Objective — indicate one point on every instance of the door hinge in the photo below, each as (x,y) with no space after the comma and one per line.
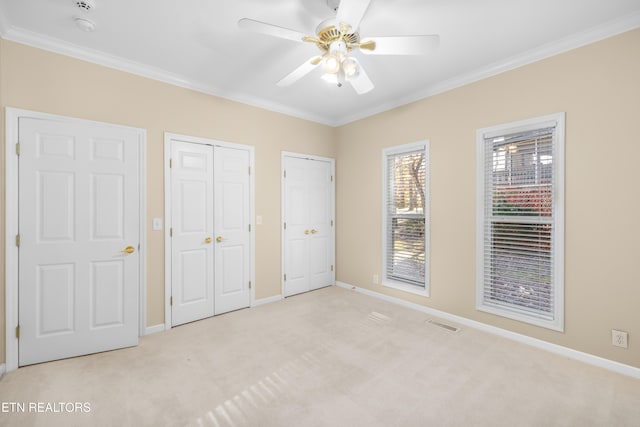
(332,268)
(249,228)
(171,232)
(249,170)
(18,331)
(17,240)
(285,225)
(285,174)
(249,284)
(18,149)
(332,223)
(171,300)
(170,163)
(285,277)
(331,178)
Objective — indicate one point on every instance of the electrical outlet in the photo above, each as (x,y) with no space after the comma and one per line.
(619,338)
(376,280)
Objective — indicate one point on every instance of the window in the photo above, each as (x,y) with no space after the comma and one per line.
(405,217)
(520,221)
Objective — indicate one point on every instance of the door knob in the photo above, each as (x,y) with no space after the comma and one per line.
(208,240)
(314,231)
(219,239)
(128,250)
(306,231)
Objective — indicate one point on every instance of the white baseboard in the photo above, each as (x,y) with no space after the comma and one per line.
(591,359)
(268,300)
(154,329)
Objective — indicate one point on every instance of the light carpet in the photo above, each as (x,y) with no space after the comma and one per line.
(331,357)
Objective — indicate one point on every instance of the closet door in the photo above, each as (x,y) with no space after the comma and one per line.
(210,238)
(308,242)
(233,227)
(192,279)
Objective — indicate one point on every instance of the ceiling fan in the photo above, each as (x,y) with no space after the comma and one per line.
(337,38)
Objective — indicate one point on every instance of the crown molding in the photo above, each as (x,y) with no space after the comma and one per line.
(3,26)
(37,40)
(592,35)
(600,32)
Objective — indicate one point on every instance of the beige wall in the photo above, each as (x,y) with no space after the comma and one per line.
(37,80)
(598,86)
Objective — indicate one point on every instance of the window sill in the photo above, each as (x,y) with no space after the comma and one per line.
(524,317)
(405,287)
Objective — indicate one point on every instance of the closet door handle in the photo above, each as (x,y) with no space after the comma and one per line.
(219,239)
(306,231)
(208,240)
(314,231)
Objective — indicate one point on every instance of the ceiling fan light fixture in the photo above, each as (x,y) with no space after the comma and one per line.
(331,63)
(350,68)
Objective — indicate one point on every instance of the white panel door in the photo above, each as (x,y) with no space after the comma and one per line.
(192,232)
(79,224)
(320,214)
(297,226)
(232,222)
(308,236)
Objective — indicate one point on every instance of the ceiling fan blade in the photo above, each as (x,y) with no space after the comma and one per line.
(362,83)
(269,29)
(400,45)
(351,12)
(300,72)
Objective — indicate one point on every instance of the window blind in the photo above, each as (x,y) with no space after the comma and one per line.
(405,217)
(519,221)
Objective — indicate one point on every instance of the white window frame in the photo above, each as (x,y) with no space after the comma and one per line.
(390,282)
(556,320)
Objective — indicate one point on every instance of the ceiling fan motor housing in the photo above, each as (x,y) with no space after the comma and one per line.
(328,32)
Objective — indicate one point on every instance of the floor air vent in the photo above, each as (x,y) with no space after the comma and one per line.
(378,317)
(443,325)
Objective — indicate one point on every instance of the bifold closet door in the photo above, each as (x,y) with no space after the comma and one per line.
(210,235)
(232,226)
(308,218)
(192,278)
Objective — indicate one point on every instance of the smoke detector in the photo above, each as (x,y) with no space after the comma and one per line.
(86,5)
(86,25)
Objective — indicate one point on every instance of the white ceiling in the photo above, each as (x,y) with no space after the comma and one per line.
(197,44)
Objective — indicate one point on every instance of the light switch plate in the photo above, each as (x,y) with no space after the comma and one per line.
(157,224)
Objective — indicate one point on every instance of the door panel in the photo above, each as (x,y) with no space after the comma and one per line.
(192,225)
(55,299)
(232,269)
(107,293)
(56,216)
(79,208)
(107,220)
(232,220)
